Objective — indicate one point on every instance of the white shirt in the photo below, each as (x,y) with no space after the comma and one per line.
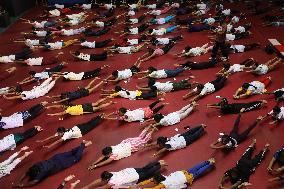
(207,89)
(124,74)
(39,24)
(12,121)
(108,6)
(86,6)
(83,56)
(74,132)
(160,31)
(163,41)
(54,13)
(41,75)
(176,142)
(176,180)
(238,48)
(155,12)
(279,116)
(132,94)
(258,87)
(160,20)
(100,24)
(133,31)
(164,87)
(56,45)
(34,61)
(40,33)
(4,90)
(131,13)
(235,68)
(229,28)
(226,12)
(122,150)
(8,165)
(74,76)
(125,50)
(235,19)
(133,6)
(197,51)
(133,41)
(262,69)
(133,20)
(134,115)
(7,59)
(152,6)
(201,6)
(7,143)
(209,21)
(31,42)
(240,29)
(89,44)
(158,74)
(59,6)
(230,37)
(124,178)
(170,119)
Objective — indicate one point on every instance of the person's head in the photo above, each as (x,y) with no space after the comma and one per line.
(153,40)
(143,37)
(106,176)
(245,86)
(122,111)
(151,82)
(226,66)
(278,94)
(151,69)
(158,117)
(158,178)
(115,73)
(118,88)
(60,130)
(33,172)
(199,87)
(82,40)
(125,39)
(223,102)
(76,53)
(276,109)
(126,29)
(18,89)
(150,30)
(32,73)
(187,48)
(234,175)
(161,141)
(225,139)
(107,151)
(134,69)
(281,156)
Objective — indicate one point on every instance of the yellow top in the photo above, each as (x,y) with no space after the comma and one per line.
(139,93)
(69,42)
(75,110)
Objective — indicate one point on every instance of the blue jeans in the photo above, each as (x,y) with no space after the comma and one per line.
(175,72)
(169,18)
(171,29)
(199,169)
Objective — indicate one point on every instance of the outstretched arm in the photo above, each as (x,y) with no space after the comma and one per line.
(95,183)
(271,163)
(215,146)
(160,152)
(55,143)
(48,138)
(105,162)
(58,114)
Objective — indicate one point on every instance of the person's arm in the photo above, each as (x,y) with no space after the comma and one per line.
(191,93)
(160,152)
(54,143)
(222,180)
(105,162)
(248,93)
(97,161)
(12,97)
(95,183)
(58,114)
(150,145)
(215,146)
(196,98)
(281,177)
(145,182)
(145,76)
(280,169)
(238,92)
(271,163)
(274,122)
(148,58)
(48,138)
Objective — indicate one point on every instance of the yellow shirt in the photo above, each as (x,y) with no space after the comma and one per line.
(69,42)
(75,110)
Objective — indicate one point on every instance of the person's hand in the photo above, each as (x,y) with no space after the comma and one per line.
(279,170)
(68,178)
(38,128)
(242,110)
(259,118)
(24,148)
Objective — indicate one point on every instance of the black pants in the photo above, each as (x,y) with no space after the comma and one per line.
(141,18)
(200,65)
(101,44)
(34,112)
(247,106)
(57,68)
(99,57)
(75,94)
(87,127)
(147,96)
(25,54)
(241,35)
(168,47)
(96,33)
(175,39)
(222,47)
(240,137)
(219,82)
(156,110)
(247,157)
(110,22)
(142,28)
(148,171)
(25,135)
(92,74)
(193,134)
(251,46)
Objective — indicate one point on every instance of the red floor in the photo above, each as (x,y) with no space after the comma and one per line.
(111,132)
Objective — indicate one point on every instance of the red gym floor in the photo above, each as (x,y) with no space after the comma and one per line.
(112,132)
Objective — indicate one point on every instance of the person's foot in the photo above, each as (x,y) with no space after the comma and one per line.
(203,125)
(44,103)
(242,110)
(266,146)
(28,153)
(161,99)
(253,143)
(87,143)
(163,163)
(38,128)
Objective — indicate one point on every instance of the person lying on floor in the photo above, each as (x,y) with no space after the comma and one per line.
(239,29)
(91,57)
(39,33)
(59,44)
(62,135)
(134,6)
(79,93)
(202,90)
(36,92)
(93,33)
(119,75)
(130,20)
(70,32)
(278,94)
(262,69)
(278,158)
(18,119)
(78,76)
(179,141)
(164,73)
(41,61)
(7,73)
(196,51)
(43,169)
(125,42)
(139,114)
(242,48)
(252,88)
(245,167)
(159,12)
(235,108)
(10,164)
(275,23)
(131,95)
(161,21)
(164,41)
(229,69)
(106,14)
(127,177)
(31,43)
(167,86)
(158,5)
(172,118)
(198,65)
(40,25)
(107,23)
(11,141)
(152,53)
(24,54)
(134,30)
(124,149)
(95,44)
(10,90)
(47,73)
(179,179)
(277,114)
(74,19)
(81,109)
(127,50)
(232,140)
(162,31)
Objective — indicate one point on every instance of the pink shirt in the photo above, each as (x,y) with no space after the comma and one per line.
(148,113)
(159,52)
(165,10)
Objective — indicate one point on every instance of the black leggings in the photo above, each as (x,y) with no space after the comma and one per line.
(168,47)
(193,134)
(25,135)
(175,39)
(34,112)
(148,171)
(156,110)
(111,22)
(200,65)
(142,28)
(247,157)
(101,44)
(87,127)
(91,74)
(96,33)
(57,68)
(222,47)
(147,96)
(98,57)
(141,18)
(251,46)
(242,136)
(23,55)
(236,107)
(241,35)
(75,94)
(219,82)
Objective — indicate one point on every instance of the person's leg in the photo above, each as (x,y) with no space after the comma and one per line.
(95,87)
(171,29)
(148,171)
(168,47)
(224,50)
(177,38)
(92,74)
(174,73)
(248,153)
(235,129)
(215,50)
(21,137)
(87,127)
(151,106)
(102,106)
(101,44)
(33,112)
(245,133)
(266,81)
(253,105)
(193,134)
(23,55)
(156,110)
(199,169)
(276,63)
(185,113)
(57,68)
(259,157)
(251,46)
